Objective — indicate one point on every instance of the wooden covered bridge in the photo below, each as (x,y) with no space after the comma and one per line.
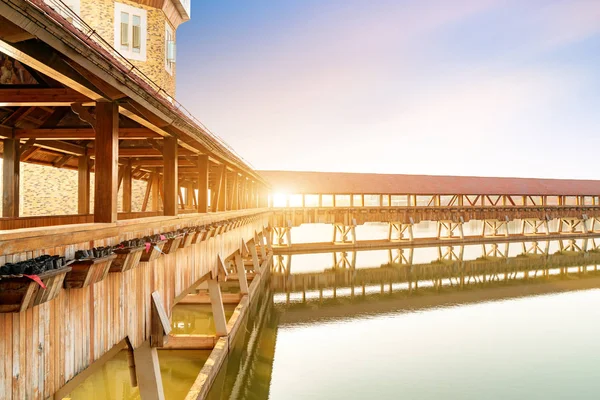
(349,199)
(69,101)
(79,285)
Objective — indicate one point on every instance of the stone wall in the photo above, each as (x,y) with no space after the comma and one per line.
(53,191)
(100,15)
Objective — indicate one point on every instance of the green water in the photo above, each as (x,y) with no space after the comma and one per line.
(542,347)
(178,369)
(504,333)
(532,336)
(195,319)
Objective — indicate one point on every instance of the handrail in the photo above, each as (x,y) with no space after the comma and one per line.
(64,12)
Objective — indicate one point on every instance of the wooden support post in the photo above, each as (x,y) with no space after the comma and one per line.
(223,203)
(106,162)
(170,178)
(10,178)
(127,186)
(216,302)
(147,370)
(254,253)
(154,183)
(235,194)
(241,272)
(83,185)
(203,183)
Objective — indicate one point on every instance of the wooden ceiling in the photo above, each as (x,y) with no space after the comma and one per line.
(52,120)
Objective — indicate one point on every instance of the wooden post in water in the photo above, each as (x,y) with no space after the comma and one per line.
(253,252)
(148,372)
(241,272)
(216,302)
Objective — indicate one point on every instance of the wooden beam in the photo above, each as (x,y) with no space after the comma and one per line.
(127,187)
(40,97)
(27,154)
(83,185)
(6,132)
(155,190)
(106,156)
(62,160)
(10,178)
(147,369)
(223,190)
(203,170)
(170,179)
(216,189)
(216,302)
(80,133)
(147,193)
(62,147)
(234,204)
(158,162)
(44,68)
(148,152)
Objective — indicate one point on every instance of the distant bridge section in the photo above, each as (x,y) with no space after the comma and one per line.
(349,199)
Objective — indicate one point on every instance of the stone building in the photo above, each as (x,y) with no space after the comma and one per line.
(143,32)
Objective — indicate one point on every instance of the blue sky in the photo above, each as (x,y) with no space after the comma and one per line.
(485,87)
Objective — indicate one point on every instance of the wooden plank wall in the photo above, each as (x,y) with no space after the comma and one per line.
(43,348)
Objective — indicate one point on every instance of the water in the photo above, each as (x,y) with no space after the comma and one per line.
(522,327)
(507,333)
(178,369)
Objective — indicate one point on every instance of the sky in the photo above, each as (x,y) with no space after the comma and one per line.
(462,87)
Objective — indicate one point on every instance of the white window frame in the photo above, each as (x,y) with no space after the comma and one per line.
(143,14)
(169,65)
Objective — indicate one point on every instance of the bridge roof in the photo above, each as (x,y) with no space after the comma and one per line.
(294,182)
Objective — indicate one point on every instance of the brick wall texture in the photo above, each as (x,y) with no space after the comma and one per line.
(53,191)
(100,15)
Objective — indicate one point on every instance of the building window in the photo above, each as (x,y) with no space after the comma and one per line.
(169,49)
(130,31)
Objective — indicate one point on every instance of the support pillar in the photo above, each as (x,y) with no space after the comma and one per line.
(127,187)
(216,302)
(282,235)
(398,230)
(203,169)
(254,253)
(400,256)
(532,226)
(170,178)
(83,185)
(241,273)
(147,370)
(11,172)
(344,231)
(446,229)
(494,227)
(155,196)
(106,162)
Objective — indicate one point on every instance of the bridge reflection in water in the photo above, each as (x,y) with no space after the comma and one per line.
(317,294)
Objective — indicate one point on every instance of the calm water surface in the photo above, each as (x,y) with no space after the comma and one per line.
(535,337)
